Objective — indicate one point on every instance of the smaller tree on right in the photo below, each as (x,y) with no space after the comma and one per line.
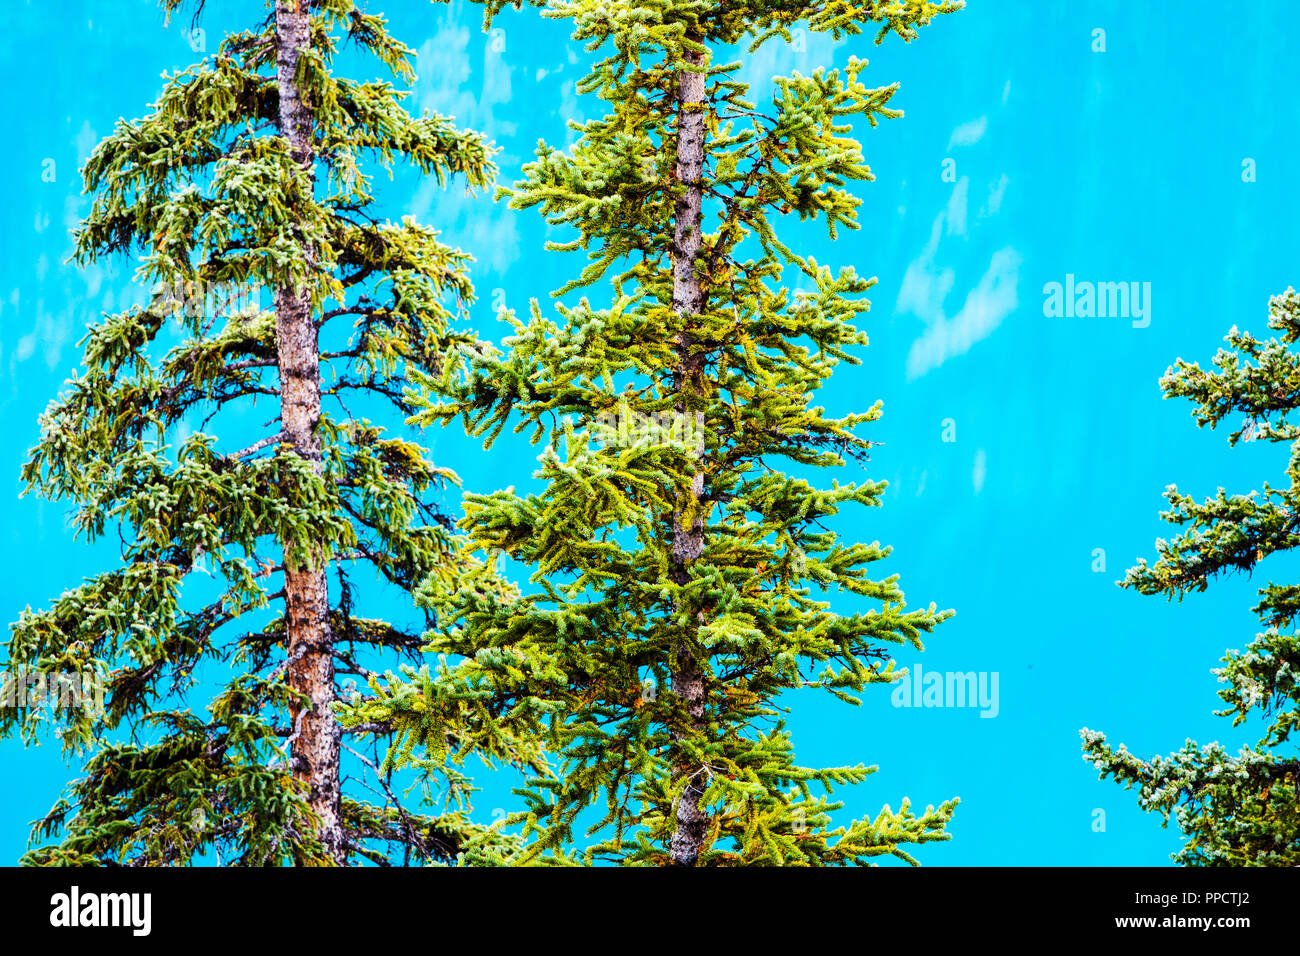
(1238,809)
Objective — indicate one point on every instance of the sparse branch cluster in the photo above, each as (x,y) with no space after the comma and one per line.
(1238,809)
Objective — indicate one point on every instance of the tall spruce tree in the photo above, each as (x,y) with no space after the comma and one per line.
(1238,809)
(669,551)
(247,175)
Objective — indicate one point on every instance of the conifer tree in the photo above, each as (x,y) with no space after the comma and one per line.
(678,574)
(1238,809)
(241,553)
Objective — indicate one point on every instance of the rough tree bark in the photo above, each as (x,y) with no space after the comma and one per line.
(315,734)
(688,380)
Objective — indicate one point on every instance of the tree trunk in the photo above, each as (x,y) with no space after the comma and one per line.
(688,380)
(315,734)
